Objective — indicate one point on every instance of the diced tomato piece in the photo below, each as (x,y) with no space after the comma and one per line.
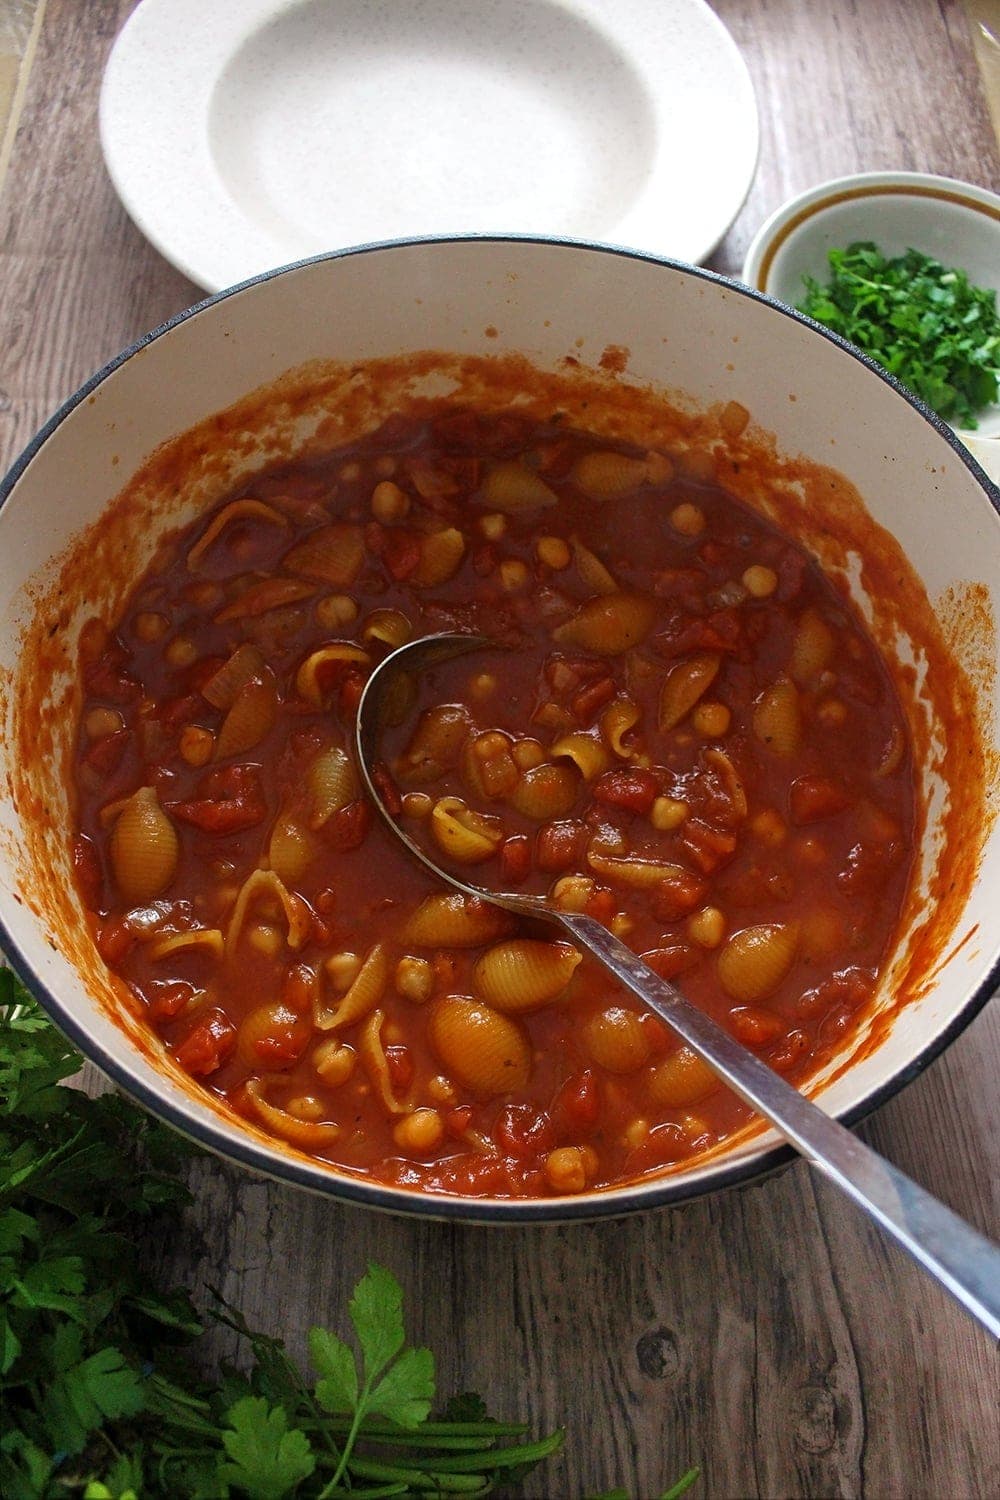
(577,1103)
(515,859)
(87,867)
(601,905)
(207,1045)
(591,698)
(350,692)
(634,788)
(114,940)
(284,1045)
(233,799)
(349,827)
(401,551)
(672,899)
(457,1121)
(298,988)
(399,1061)
(181,710)
(865,870)
(387,789)
(559,845)
(709,847)
(720,631)
(108,679)
(811,798)
(523,1131)
(167,1000)
(753,1026)
(105,754)
(672,959)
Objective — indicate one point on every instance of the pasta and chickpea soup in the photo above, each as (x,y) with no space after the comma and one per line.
(689,735)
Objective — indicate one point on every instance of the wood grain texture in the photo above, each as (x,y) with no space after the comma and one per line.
(768,1333)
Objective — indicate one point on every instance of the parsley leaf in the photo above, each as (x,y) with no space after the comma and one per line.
(927,324)
(268,1461)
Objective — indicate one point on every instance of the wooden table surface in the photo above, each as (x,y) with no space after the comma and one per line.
(769,1333)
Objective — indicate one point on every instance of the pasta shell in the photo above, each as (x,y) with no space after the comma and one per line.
(199,939)
(308,1135)
(450,920)
(237,510)
(222,687)
(681,1079)
(388,626)
(524,974)
(755,960)
(727,774)
(361,996)
(605,475)
(617,1040)
(486,1052)
(545,792)
(513,487)
(608,626)
(144,847)
(630,870)
(586,752)
(436,745)
(251,718)
(327,661)
(684,685)
(593,574)
(265,885)
(332,553)
(777,718)
(812,647)
(617,720)
(441,554)
(376,1065)
(332,782)
(291,849)
(463,834)
(267,594)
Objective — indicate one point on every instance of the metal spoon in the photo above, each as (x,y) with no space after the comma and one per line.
(960,1258)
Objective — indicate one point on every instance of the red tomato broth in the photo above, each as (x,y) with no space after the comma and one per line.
(359,885)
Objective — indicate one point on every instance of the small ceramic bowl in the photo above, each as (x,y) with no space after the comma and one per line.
(956,222)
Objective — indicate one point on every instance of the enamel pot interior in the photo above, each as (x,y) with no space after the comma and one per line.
(684,331)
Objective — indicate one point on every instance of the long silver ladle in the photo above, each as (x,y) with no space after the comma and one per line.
(956,1255)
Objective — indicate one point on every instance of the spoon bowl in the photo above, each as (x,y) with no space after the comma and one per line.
(961,1259)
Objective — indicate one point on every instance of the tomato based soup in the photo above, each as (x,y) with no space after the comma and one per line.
(684,731)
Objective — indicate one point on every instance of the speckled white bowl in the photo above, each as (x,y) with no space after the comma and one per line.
(685,330)
(954,221)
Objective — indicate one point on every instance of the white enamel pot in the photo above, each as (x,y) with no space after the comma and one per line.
(628,320)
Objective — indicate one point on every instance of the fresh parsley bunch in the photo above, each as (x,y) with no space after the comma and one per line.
(925,323)
(99,1395)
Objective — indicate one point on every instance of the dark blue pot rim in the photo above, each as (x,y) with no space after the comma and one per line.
(646,1194)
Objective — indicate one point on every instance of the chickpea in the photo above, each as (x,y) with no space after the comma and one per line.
(636,1132)
(769,826)
(553,552)
(759,581)
(419,1133)
(565,1170)
(621,924)
(832,712)
(417,805)
(266,939)
(572,892)
(415,979)
(442,1090)
(350,471)
(384,465)
(389,502)
(688,519)
(181,652)
(667,813)
(334,1061)
(493,526)
(707,927)
(483,685)
(100,722)
(150,625)
(335,610)
(306,1107)
(528,754)
(342,969)
(196,745)
(711,719)
(514,576)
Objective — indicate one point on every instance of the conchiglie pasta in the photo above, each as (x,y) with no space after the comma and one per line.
(546,792)
(813,646)
(334,554)
(436,745)
(756,959)
(585,750)
(261,597)
(144,847)
(291,849)
(593,574)
(263,887)
(608,626)
(450,920)
(483,1050)
(523,974)
(684,685)
(681,1079)
(606,475)
(777,718)
(251,718)
(618,720)
(389,626)
(332,783)
(361,996)
(616,1039)
(639,874)
(462,833)
(207,940)
(513,488)
(308,1135)
(222,687)
(371,1051)
(332,658)
(236,510)
(441,556)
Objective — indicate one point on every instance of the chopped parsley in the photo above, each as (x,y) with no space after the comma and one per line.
(925,323)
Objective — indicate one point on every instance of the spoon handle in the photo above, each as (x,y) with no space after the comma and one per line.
(962,1260)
